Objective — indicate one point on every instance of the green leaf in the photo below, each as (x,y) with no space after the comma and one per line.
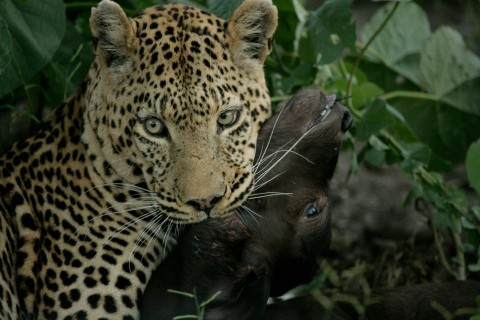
(416,154)
(441,220)
(187,316)
(68,67)
(420,153)
(300,76)
(375,157)
(445,62)
(377,144)
(409,67)
(330,29)
(405,33)
(182,293)
(21,111)
(473,165)
(362,93)
(222,8)
(467,224)
(375,118)
(448,131)
(5,46)
(211,299)
(37,29)
(476,212)
(466,97)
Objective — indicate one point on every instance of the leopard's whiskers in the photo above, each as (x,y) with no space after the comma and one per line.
(120,229)
(262,155)
(288,151)
(262,195)
(252,213)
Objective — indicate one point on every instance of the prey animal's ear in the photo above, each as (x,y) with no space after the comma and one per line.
(114,37)
(251,30)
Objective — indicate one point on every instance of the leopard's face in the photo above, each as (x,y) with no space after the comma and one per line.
(180,96)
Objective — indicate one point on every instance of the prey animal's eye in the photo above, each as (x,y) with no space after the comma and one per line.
(155,127)
(228,118)
(312,210)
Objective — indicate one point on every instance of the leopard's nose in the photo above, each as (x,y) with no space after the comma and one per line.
(204,204)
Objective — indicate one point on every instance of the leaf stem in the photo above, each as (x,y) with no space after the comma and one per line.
(369,42)
(427,177)
(461,270)
(408,94)
(441,253)
(279,98)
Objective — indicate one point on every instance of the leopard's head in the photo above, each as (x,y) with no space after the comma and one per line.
(176,97)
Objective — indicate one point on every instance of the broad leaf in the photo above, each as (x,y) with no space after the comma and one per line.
(409,67)
(375,118)
(445,62)
(362,93)
(405,33)
(466,97)
(68,67)
(5,45)
(300,76)
(330,30)
(375,157)
(37,29)
(222,8)
(473,165)
(448,131)
(416,154)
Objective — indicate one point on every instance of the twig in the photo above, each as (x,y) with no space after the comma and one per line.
(461,269)
(441,253)
(369,42)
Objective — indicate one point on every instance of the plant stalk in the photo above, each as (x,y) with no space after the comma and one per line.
(369,42)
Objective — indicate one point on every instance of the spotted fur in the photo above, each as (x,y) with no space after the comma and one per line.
(88,204)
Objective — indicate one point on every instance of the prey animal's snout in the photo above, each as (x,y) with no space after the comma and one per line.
(347,119)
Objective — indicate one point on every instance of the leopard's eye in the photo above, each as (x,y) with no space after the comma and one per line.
(228,118)
(155,127)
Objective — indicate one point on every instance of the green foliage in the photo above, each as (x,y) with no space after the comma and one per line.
(473,165)
(32,38)
(329,31)
(415,97)
(199,306)
(222,8)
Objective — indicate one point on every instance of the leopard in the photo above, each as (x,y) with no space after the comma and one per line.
(161,134)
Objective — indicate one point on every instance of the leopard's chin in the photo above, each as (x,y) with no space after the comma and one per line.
(186,218)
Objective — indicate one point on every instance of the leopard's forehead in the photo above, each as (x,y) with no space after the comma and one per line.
(184,59)
(180,19)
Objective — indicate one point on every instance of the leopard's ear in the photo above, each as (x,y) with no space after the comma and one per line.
(114,37)
(250,31)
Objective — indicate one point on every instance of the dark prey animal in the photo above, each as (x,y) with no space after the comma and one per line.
(272,243)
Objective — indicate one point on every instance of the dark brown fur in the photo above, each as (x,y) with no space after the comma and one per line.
(247,257)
